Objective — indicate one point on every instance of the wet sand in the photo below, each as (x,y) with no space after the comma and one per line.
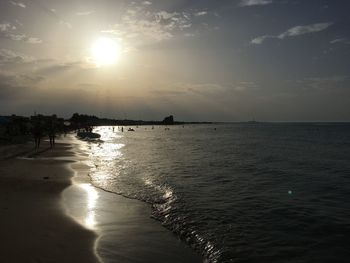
(34,225)
(47,217)
(126,232)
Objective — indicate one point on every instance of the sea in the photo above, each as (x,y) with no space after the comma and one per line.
(240,192)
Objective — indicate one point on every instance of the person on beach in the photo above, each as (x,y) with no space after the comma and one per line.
(52,130)
(37,131)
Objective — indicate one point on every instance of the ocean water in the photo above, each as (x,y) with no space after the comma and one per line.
(255,192)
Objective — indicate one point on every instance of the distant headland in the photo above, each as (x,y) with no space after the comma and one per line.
(96,121)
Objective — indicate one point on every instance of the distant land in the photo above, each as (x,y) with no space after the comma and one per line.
(96,121)
(16,129)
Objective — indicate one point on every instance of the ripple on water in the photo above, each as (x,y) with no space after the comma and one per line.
(242,193)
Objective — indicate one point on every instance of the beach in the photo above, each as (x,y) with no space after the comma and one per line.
(34,226)
(49,217)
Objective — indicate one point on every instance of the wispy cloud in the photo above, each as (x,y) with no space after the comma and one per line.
(294,31)
(301,30)
(51,12)
(140,24)
(323,83)
(6,27)
(66,24)
(24,38)
(201,13)
(259,40)
(34,40)
(254,2)
(7,30)
(84,13)
(343,40)
(245,86)
(19,4)
(11,57)
(15,86)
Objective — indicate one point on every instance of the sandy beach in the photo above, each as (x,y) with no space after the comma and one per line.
(49,217)
(34,225)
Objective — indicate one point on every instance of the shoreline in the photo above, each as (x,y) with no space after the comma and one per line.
(124,227)
(37,228)
(54,214)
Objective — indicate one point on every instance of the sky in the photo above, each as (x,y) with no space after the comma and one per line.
(227,60)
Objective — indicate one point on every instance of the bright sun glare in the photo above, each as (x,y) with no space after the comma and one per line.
(105,51)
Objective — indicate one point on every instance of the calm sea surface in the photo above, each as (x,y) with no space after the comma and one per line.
(240,193)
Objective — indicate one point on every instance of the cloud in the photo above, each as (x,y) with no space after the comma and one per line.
(34,40)
(203,89)
(5,27)
(294,31)
(51,13)
(343,40)
(140,25)
(52,66)
(301,30)
(165,15)
(66,24)
(13,86)
(254,2)
(323,83)
(85,13)
(146,3)
(20,4)
(10,57)
(245,86)
(201,13)
(259,40)
(7,30)
(24,38)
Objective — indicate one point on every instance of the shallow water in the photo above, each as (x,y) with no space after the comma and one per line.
(240,192)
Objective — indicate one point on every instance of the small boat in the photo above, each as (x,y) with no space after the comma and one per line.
(88,135)
(131,129)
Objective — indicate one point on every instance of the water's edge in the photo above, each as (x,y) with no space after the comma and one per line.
(81,170)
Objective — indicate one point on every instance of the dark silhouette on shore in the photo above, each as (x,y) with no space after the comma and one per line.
(19,129)
(82,120)
(44,126)
(168,120)
(37,130)
(52,131)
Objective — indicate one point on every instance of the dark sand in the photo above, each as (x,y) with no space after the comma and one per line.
(34,227)
(37,193)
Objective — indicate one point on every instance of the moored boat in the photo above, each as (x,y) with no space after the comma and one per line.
(88,135)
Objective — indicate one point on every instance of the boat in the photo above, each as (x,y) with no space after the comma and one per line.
(88,135)
(131,129)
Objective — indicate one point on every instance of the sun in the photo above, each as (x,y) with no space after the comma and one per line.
(105,51)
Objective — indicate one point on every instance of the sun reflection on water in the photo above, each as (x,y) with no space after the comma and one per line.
(104,156)
(92,196)
(165,190)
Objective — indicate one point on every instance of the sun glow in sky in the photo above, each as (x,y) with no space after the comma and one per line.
(228,60)
(105,51)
